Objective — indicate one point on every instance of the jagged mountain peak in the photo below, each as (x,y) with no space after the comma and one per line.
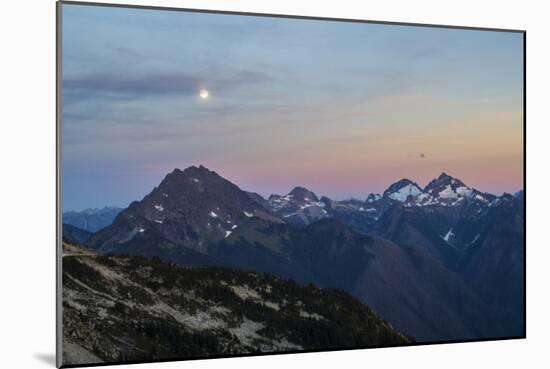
(444,190)
(302,193)
(200,171)
(402,189)
(300,206)
(448,190)
(445,176)
(400,183)
(195,179)
(191,208)
(448,178)
(440,183)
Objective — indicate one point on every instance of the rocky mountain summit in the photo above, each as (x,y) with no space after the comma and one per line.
(299,207)
(189,208)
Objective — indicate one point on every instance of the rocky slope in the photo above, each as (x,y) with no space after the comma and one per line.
(75,234)
(405,284)
(134,308)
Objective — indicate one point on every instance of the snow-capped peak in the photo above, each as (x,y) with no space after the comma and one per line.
(299,197)
(303,194)
(404,192)
(299,206)
(454,193)
(451,191)
(444,182)
(401,190)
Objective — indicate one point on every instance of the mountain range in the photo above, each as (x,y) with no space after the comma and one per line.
(91,220)
(439,263)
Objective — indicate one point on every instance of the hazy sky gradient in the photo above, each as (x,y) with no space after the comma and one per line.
(344,109)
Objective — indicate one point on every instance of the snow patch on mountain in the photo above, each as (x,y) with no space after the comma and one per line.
(448,235)
(464,191)
(481,198)
(312,203)
(448,193)
(403,193)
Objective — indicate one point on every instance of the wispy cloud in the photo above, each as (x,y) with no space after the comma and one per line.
(132,85)
(290,101)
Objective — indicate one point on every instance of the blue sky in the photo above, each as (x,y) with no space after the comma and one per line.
(342,108)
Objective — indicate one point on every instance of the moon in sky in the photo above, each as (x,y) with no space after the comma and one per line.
(203,93)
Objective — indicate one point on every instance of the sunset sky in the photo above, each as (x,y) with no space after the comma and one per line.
(344,109)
